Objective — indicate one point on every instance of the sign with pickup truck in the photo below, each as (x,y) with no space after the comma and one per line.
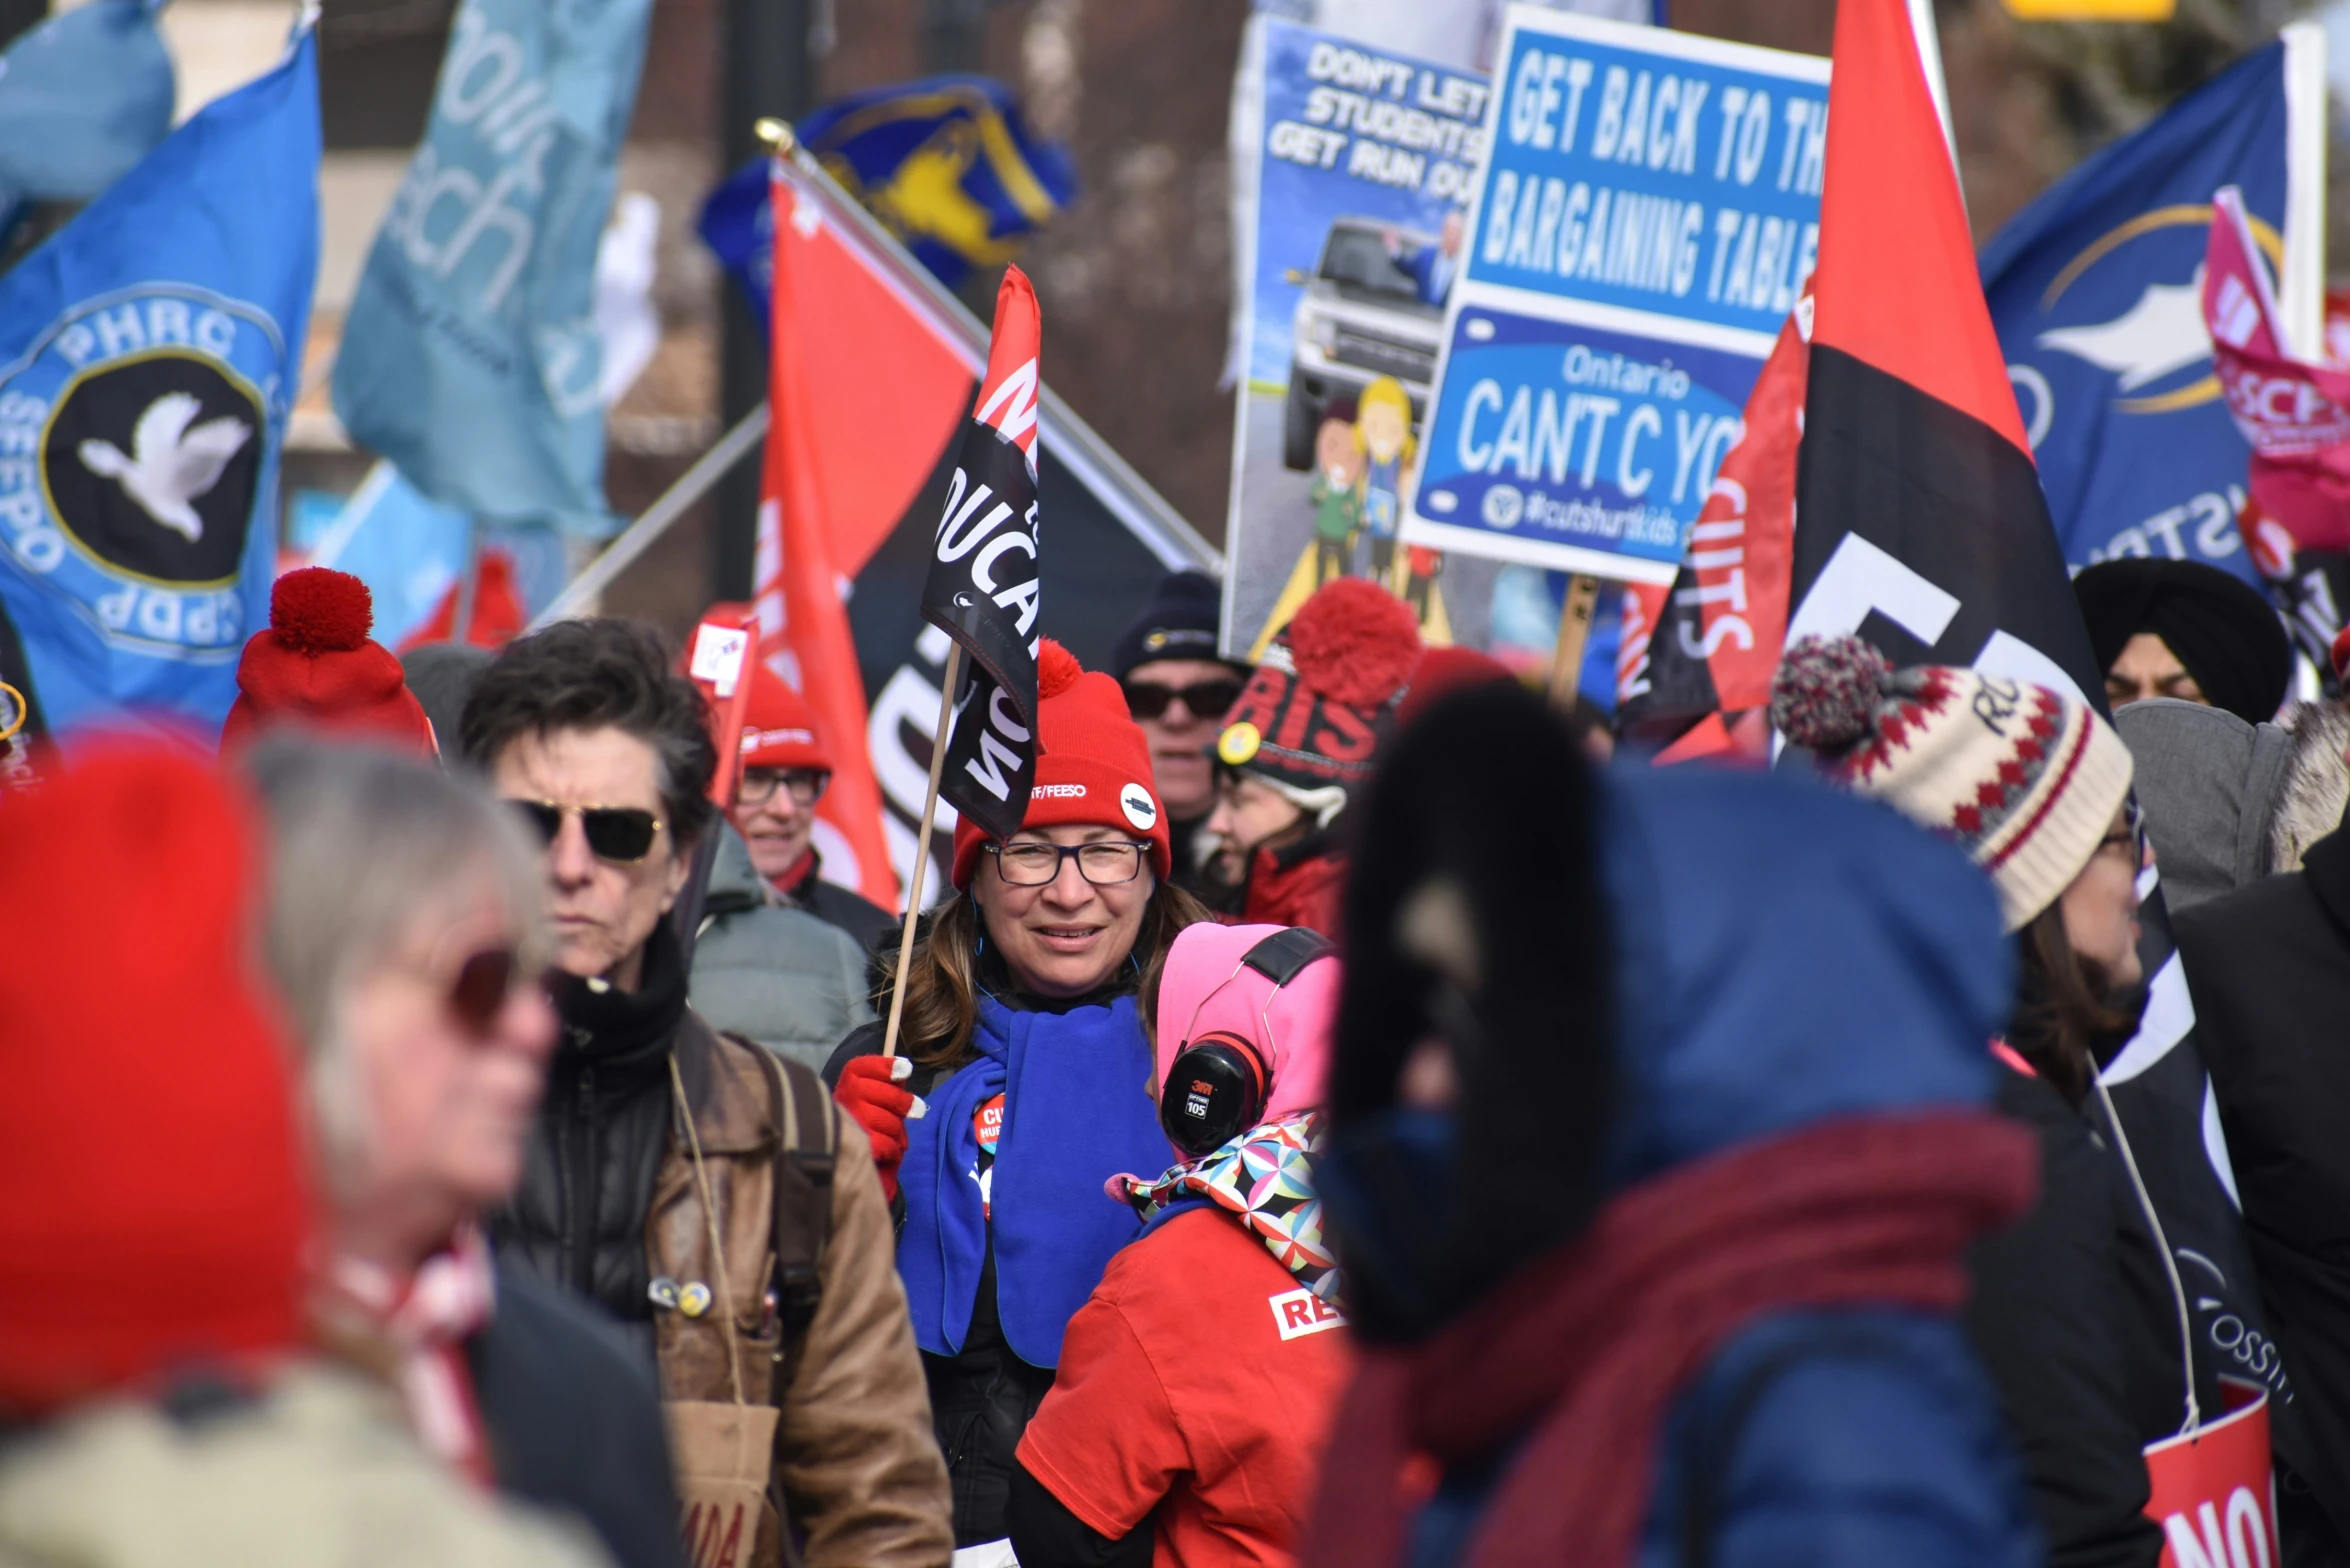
(1642,227)
(1366,161)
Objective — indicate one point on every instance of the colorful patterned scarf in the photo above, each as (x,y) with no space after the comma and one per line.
(1264,1179)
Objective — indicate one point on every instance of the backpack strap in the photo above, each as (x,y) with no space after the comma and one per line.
(1717,1442)
(807,1146)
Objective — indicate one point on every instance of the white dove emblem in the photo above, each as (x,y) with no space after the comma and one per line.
(173,466)
(2163,332)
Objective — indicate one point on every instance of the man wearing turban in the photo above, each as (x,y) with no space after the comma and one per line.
(2182,629)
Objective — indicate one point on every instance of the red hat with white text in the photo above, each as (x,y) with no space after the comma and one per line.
(1093,765)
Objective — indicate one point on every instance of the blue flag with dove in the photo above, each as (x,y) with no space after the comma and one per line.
(149,356)
(2096,292)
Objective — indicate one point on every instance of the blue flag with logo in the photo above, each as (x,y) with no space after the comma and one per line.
(947,165)
(149,355)
(470,357)
(2096,292)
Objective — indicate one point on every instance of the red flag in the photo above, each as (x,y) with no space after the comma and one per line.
(804,559)
(1709,648)
(1920,522)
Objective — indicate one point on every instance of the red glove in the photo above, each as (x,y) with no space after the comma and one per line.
(869,1092)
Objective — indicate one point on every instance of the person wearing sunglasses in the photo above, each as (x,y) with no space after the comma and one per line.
(164,1397)
(2077,1312)
(1178,689)
(785,770)
(1017,1087)
(696,1187)
(403,934)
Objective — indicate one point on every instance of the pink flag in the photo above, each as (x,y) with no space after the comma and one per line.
(2295,414)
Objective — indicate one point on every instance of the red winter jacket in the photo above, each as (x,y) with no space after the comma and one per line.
(1194,1399)
(1297,886)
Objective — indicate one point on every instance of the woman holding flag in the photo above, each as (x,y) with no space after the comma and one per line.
(1024,1075)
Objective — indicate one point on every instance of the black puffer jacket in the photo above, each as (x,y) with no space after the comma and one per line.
(983,1396)
(2269,965)
(577,1219)
(2073,1316)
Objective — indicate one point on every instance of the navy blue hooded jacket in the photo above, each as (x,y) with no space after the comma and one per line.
(1787,955)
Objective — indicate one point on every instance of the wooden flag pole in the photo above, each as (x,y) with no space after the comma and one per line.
(938,762)
(1566,660)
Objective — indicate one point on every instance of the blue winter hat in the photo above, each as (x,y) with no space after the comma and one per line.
(1179,622)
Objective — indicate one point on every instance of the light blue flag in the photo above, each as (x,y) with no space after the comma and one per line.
(83,97)
(470,357)
(408,549)
(149,356)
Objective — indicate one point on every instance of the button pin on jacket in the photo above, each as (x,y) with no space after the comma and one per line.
(663,1292)
(693,1299)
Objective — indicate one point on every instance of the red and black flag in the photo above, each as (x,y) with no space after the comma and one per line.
(981,589)
(1922,525)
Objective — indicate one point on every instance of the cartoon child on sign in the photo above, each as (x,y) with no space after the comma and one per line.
(1338,508)
(1383,435)
(1362,455)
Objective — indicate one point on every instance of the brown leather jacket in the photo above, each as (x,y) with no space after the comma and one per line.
(857,1466)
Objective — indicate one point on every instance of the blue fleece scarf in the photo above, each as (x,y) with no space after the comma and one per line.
(1075,1114)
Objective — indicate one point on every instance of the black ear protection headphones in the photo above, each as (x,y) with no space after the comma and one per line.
(1218,1084)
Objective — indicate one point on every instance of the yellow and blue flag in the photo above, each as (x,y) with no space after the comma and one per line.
(948,166)
(2096,292)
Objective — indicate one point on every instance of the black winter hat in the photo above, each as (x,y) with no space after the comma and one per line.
(1179,622)
(1474,912)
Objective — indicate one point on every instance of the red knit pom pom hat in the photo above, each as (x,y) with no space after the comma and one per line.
(1093,766)
(1316,712)
(2025,780)
(316,666)
(154,1209)
(779,728)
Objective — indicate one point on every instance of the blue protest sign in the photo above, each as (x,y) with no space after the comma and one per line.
(2096,290)
(1646,218)
(148,359)
(470,356)
(1364,161)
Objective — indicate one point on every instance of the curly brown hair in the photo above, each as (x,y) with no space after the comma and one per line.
(942,986)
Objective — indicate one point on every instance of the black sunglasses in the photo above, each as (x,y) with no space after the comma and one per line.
(621,834)
(1205,699)
(478,991)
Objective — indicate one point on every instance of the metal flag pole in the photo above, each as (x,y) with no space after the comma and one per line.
(938,760)
(638,537)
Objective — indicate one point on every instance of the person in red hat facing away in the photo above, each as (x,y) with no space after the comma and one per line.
(315,665)
(784,771)
(157,1405)
(1024,988)
(1304,735)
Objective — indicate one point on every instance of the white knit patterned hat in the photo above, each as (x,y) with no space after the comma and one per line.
(2025,780)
